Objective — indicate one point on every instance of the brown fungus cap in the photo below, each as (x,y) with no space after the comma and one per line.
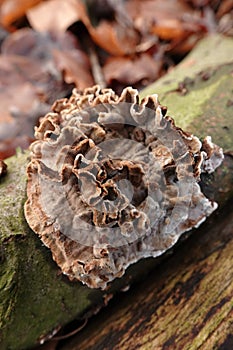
(112,180)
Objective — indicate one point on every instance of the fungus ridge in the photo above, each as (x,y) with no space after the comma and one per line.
(112,180)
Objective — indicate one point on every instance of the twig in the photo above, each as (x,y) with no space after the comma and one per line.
(68,335)
(95,66)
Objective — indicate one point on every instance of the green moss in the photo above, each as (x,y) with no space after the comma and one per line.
(7,284)
(189,108)
(207,113)
(10,226)
(204,109)
(207,74)
(35,297)
(209,53)
(44,299)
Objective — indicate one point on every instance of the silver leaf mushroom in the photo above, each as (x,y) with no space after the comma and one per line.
(112,180)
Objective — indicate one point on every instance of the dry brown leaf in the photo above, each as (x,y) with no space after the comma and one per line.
(130,71)
(201,3)
(56,15)
(8,146)
(12,10)
(32,71)
(169,29)
(46,63)
(170,20)
(225,7)
(115,38)
(16,70)
(185,45)
(20,109)
(75,67)
(16,100)
(57,55)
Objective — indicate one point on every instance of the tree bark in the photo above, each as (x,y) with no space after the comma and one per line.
(198,92)
(36,300)
(186,303)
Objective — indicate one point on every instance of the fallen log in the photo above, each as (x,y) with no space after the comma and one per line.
(35,299)
(185,302)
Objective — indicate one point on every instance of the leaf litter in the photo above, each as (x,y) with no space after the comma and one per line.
(49,47)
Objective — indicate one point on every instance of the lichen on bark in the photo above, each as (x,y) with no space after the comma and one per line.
(198,92)
(33,298)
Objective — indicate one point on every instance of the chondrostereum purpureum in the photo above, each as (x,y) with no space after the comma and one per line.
(112,180)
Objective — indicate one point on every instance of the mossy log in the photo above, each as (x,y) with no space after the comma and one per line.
(186,303)
(35,299)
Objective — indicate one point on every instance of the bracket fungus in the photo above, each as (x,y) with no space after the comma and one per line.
(112,180)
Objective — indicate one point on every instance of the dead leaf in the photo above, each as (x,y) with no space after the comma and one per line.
(8,146)
(169,20)
(12,10)
(130,71)
(75,67)
(184,45)
(20,109)
(21,103)
(31,78)
(15,70)
(115,38)
(57,56)
(225,7)
(56,15)
(16,102)
(125,40)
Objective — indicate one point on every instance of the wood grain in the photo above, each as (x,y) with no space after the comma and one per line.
(185,303)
